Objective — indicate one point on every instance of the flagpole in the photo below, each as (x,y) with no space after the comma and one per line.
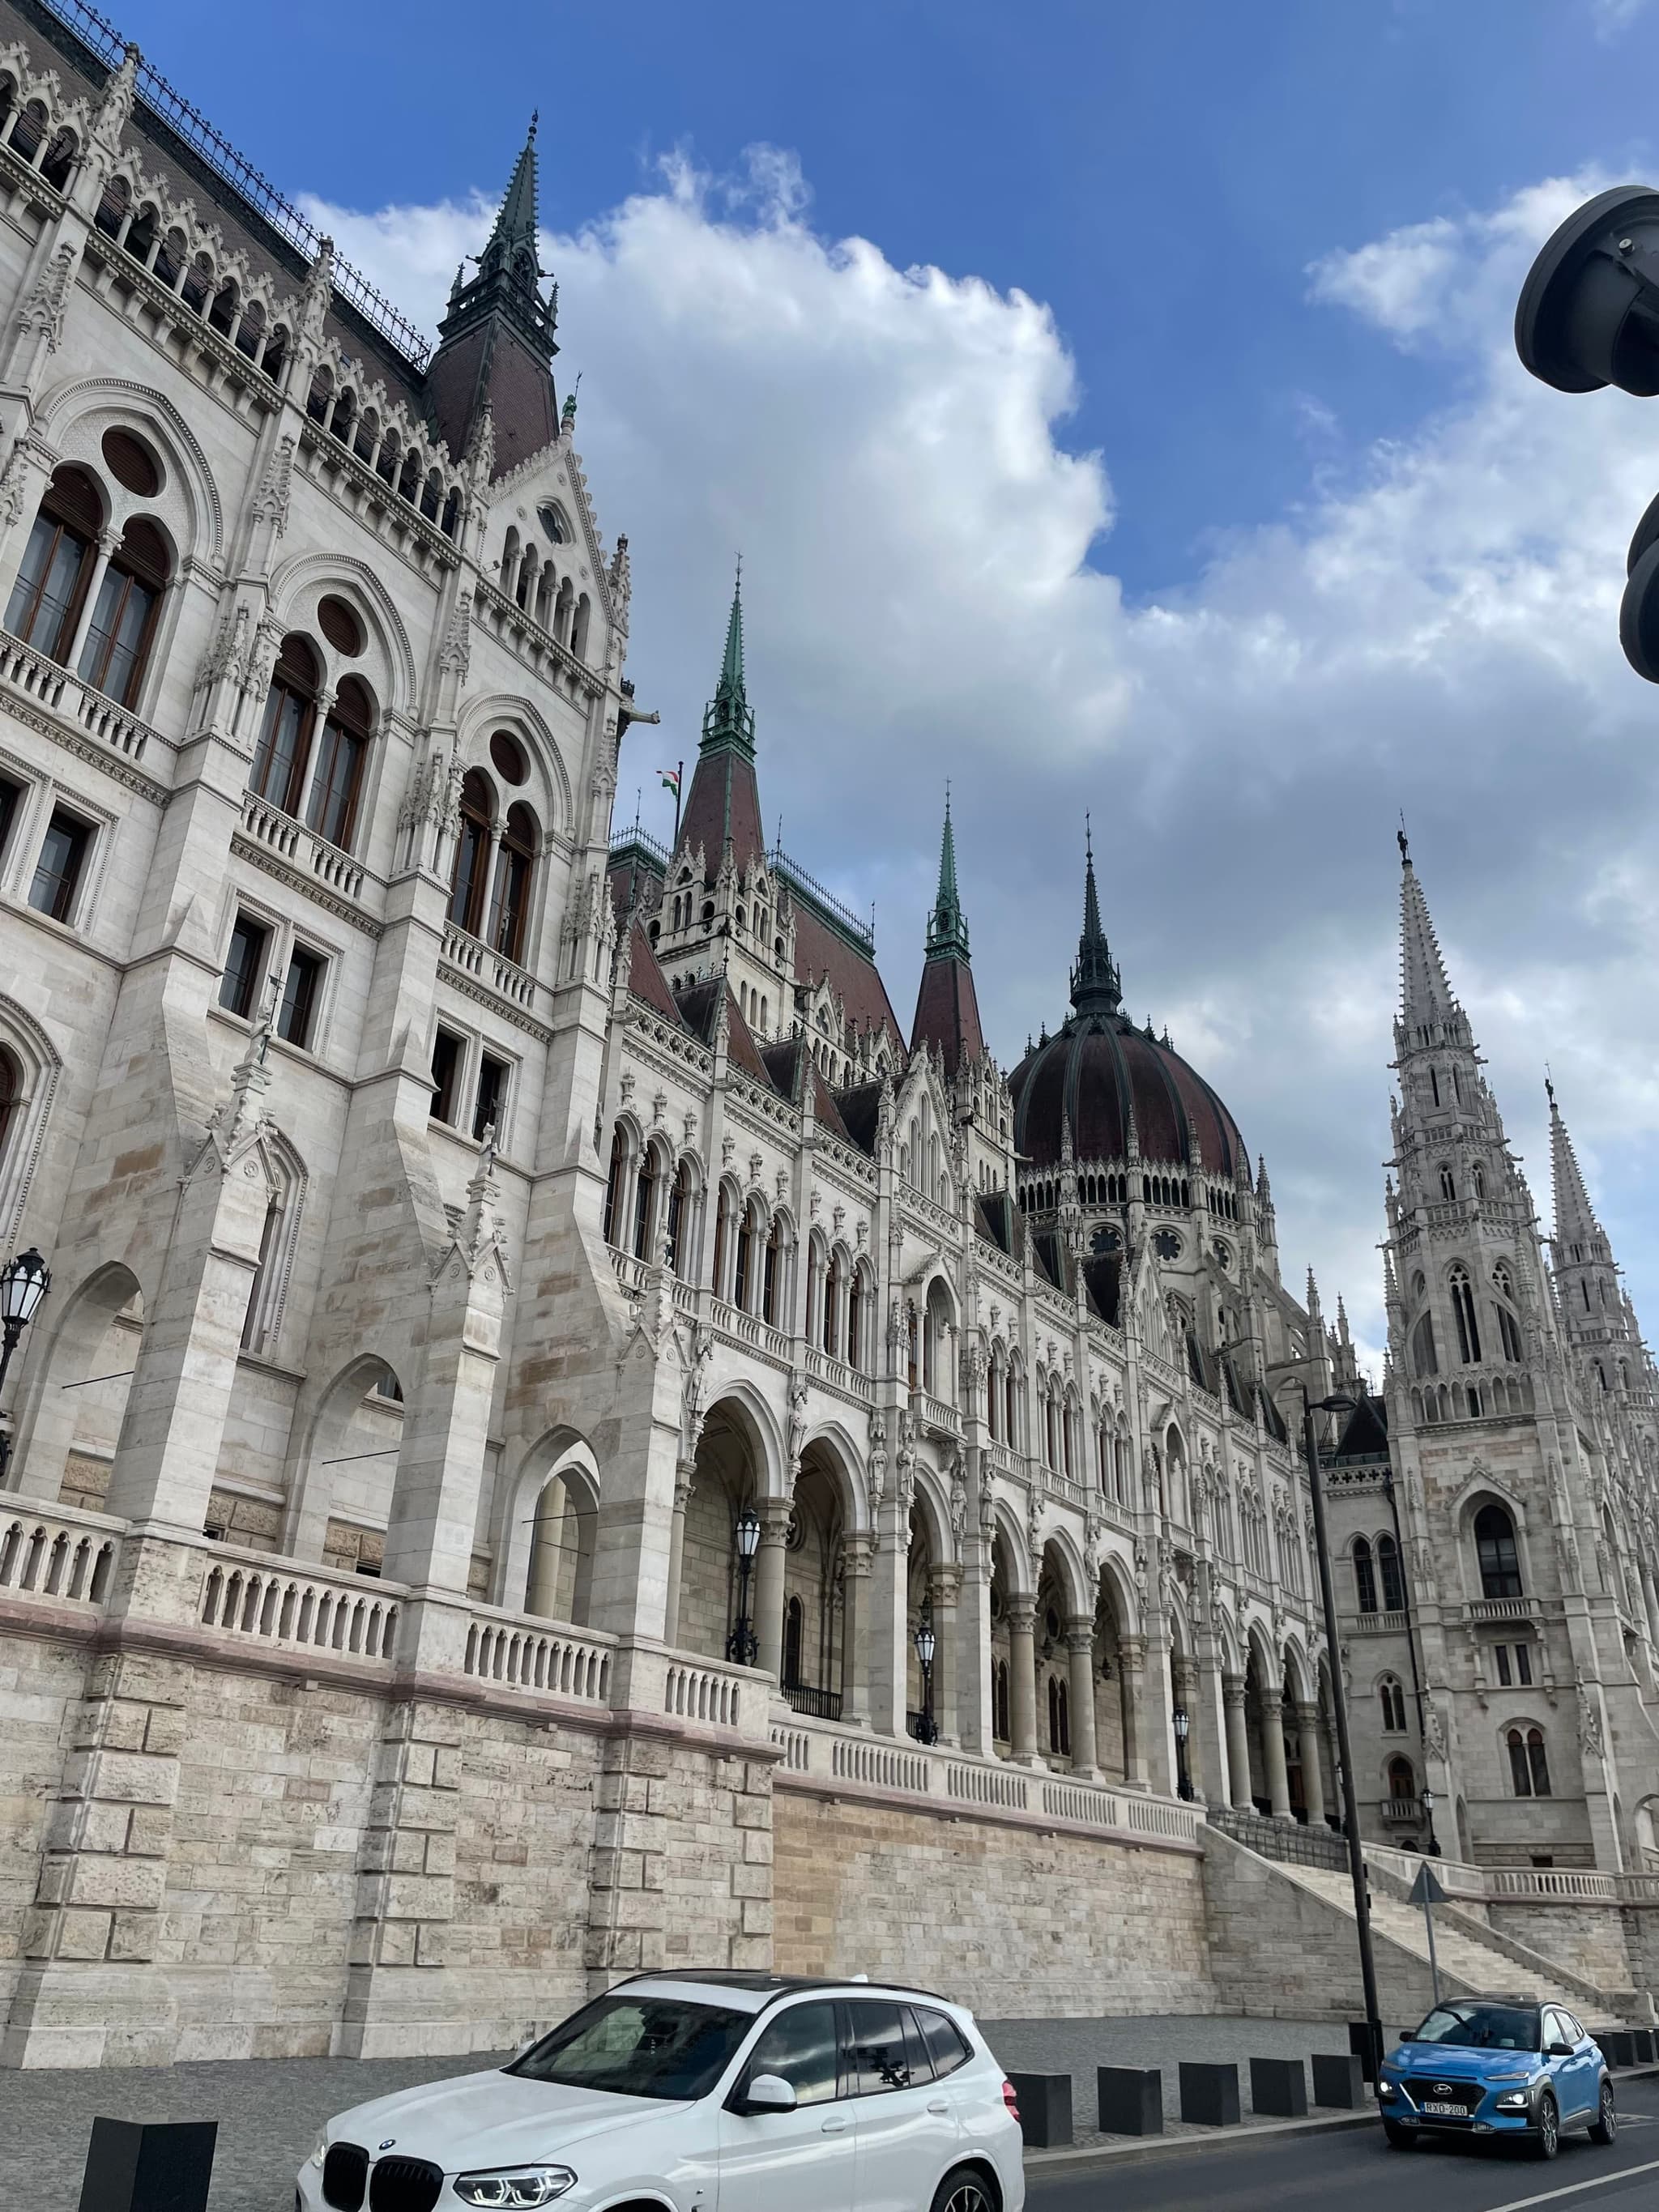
(679,786)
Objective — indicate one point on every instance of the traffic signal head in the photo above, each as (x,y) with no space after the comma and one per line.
(1588,312)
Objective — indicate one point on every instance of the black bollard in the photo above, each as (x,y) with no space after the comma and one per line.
(1279,2087)
(1131,2099)
(1045,2109)
(1339,2080)
(154,2165)
(1209,2094)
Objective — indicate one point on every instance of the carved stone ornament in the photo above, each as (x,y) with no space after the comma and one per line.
(42,312)
(270,501)
(1589,1721)
(1434,1731)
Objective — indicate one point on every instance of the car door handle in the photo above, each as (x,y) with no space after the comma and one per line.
(835,2127)
(939,2105)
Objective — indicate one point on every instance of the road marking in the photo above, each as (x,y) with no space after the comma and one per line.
(1576,2188)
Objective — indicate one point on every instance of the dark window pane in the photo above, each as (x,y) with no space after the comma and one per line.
(238,987)
(639,2047)
(446,1075)
(299,1005)
(112,658)
(333,809)
(57,871)
(10,796)
(1523,1664)
(946,2046)
(492,1097)
(878,2060)
(1503,1651)
(279,760)
(800,2047)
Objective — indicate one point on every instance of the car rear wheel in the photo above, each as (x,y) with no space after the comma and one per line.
(964,2191)
(1399,2138)
(1606,2124)
(1547,2132)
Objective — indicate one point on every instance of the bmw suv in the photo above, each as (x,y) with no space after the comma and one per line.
(1483,2067)
(720,2091)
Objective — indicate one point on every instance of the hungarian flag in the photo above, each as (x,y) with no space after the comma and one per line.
(671,780)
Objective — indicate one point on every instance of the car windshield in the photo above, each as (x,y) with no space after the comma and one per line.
(639,2047)
(1483,2027)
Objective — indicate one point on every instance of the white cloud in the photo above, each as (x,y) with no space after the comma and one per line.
(1613,16)
(928,585)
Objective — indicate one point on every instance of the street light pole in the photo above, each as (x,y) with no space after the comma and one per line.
(742,1646)
(927,1726)
(24,1282)
(1361,1912)
(1181,1722)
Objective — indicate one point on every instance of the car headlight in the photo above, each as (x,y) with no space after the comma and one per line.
(1512,2101)
(1386,2088)
(514,2187)
(321,2152)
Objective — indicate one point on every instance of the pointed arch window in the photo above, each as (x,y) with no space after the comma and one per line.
(1393,1581)
(1424,1360)
(1468,1332)
(515,865)
(1393,1706)
(645,1193)
(613,1187)
(44,607)
(336,787)
(742,1276)
(1364,1575)
(771,1279)
(1530,1772)
(679,1216)
(117,652)
(471,875)
(1448,1184)
(722,1238)
(284,753)
(1497,1552)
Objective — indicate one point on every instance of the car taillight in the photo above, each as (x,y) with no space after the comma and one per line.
(1009,2098)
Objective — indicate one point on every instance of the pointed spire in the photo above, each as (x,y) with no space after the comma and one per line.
(1575,1217)
(1425,995)
(1095,980)
(729,719)
(947,930)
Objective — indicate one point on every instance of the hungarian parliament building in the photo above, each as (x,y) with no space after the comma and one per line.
(547,1429)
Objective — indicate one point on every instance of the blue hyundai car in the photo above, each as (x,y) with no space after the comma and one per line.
(1477,2066)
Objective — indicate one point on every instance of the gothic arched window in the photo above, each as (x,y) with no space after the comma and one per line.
(284,753)
(117,651)
(1448,1184)
(337,785)
(679,1207)
(645,1193)
(1402,1781)
(1393,1582)
(1497,1552)
(1364,1575)
(45,608)
(470,876)
(510,905)
(1462,1299)
(1424,1360)
(1529,1773)
(613,1185)
(1393,1706)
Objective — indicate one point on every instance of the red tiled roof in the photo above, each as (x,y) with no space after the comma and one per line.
(947,1013)
(717,777)
(819,952)
(644,977)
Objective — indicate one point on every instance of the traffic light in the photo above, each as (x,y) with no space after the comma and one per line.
(1589,317)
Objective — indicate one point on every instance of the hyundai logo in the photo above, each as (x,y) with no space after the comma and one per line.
(1441,2089)
(387,2144)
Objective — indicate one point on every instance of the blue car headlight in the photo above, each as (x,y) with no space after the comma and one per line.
(1512,2101)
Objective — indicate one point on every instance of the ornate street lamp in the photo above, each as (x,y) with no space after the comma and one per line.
(24,1282)
(1181,1723)
(927,1729)
(741,1645)
(1428,1802)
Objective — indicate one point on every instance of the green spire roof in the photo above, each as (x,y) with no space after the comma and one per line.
(1096,984)
(729,719)
(947,931)
(508,281)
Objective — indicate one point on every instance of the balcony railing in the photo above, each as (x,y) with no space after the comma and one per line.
(275,1602)
(266,825)
(57,1555)
(818,1704)
(23,669)
(473,958)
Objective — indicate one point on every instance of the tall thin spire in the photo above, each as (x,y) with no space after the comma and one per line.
(729,719)
(1425,994)
(947,929)
(1096,985)
(1575,1217)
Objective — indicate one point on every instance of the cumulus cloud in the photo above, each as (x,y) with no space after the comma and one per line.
(928,576)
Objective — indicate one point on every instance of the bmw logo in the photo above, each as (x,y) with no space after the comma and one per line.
(387,2144)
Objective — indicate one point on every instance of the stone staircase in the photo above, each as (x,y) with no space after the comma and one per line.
(1483,1963)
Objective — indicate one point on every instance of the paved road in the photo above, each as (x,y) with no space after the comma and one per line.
(1355,2169)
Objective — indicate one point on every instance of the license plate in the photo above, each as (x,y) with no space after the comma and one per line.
(1448,2112)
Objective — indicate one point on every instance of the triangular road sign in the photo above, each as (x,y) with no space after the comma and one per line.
(1426,1889)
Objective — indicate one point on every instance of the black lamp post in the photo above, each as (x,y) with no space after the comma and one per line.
(1362,1910)
(24,1282)
(1180,1720)
(927,1726)
(741,1646)
(1428,1802)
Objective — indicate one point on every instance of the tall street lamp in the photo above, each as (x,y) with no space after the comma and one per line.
(1361,1912)
(1181,1721)
(742,1647)
(24,1282)
(1428,1802)
(927,1726)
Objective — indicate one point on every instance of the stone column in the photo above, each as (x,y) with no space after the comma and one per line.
(1080,1649)
(1022,1679)
(1157,1734)
(887,1645)
(856,1555)
(1272,1750)
(974,1646)
(945,1587)
(683,1488)
(1238,1744)
(1312,1776)
(1132,1669)
(1210,1767)
(775,1517)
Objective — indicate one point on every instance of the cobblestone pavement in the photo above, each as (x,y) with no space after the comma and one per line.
(1077,2046)
(270,2110)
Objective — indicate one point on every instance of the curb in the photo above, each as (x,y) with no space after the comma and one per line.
(1041,2164)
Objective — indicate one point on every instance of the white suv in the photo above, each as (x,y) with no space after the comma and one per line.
(701,2093)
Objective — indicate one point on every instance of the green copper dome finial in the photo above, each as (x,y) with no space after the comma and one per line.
(947,931)
(1096,984)
(729,719)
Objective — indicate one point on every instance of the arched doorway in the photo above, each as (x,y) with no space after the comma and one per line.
(815,1649)
(560,1578)
(729,1476)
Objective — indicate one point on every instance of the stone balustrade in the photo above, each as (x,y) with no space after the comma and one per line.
(58,1553)
(246,1593)
(30,674)
(528,1655)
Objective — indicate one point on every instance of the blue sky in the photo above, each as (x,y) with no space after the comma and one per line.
(1117,410)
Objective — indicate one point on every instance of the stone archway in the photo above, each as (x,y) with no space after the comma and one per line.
(729,1476)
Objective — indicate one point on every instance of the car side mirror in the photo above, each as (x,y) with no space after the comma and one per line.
(1559,2051)
(769,2093)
